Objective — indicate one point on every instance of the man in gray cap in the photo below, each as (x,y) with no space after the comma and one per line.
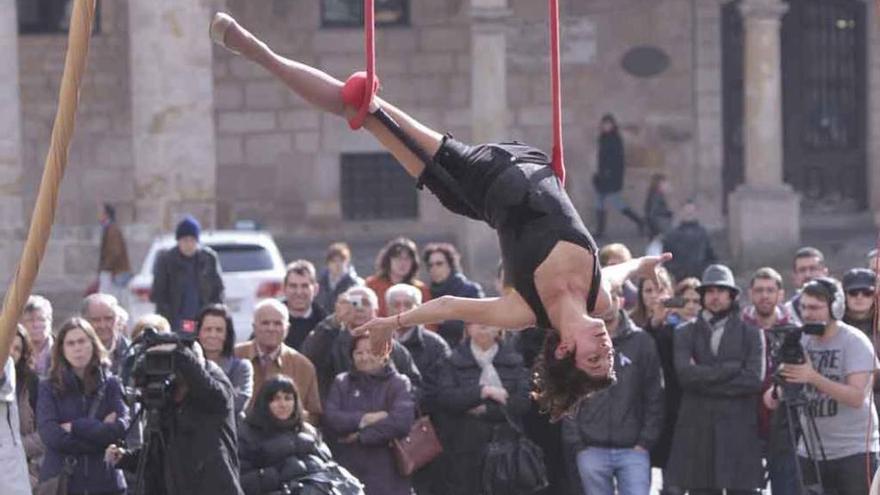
(719,360)
(860,284)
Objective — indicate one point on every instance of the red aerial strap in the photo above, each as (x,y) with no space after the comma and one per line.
(360,88)
(558,163)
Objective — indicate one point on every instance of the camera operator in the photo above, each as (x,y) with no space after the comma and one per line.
(198,448)
(838,375)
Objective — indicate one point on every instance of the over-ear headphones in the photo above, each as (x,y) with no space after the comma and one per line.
(836,298)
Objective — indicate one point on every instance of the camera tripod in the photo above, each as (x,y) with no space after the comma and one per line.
(153,449)
(794,402)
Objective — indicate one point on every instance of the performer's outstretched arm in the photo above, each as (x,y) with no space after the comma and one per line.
(509,312)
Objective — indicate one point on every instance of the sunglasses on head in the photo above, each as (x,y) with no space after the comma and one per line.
(861,292)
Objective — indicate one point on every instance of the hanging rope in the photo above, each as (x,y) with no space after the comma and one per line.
(558,158)
(56,161)
(361,87)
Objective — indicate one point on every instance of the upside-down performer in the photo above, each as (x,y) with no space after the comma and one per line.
(549,257)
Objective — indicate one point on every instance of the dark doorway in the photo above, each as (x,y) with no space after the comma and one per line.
(823,87)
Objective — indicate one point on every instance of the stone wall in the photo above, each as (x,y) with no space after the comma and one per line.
(100,164)
(279,160)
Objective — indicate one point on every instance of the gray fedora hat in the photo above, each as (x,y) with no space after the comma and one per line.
(717,276)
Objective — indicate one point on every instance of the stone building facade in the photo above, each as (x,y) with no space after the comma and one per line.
(170,124)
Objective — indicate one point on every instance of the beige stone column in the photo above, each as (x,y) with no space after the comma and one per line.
(489,119)
(764,216)
(10,121)
(172,111)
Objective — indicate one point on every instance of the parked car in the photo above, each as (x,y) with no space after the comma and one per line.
(253,269)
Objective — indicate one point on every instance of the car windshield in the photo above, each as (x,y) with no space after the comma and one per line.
(243,257)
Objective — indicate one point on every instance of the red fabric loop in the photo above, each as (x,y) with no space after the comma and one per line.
(558,163)
(354,94)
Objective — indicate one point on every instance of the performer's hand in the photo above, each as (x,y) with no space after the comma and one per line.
(648,267)
(380,330)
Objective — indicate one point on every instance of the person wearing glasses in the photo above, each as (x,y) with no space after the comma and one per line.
(860,284)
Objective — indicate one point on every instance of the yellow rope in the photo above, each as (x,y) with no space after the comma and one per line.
(56,161)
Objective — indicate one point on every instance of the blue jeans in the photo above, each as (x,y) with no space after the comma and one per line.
(783,475)
(599,468)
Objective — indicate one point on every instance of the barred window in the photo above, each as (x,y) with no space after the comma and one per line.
(374,187)
(350,13)
(49,16)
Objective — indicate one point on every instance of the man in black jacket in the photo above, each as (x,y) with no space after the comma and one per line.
(613,431)
(186,278)
(689,244)
(200,451)
(300,289)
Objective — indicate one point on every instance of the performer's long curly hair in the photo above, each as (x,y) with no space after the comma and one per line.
(558,384)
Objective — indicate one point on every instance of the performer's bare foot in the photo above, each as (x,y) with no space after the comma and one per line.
(228,33)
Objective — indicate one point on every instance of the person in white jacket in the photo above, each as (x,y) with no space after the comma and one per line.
(13,463)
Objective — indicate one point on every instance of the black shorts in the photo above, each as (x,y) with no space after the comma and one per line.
(511,187)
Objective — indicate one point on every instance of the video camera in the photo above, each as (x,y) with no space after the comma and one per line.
(785,347)
(152,371)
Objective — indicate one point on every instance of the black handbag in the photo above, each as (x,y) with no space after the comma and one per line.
(513,464)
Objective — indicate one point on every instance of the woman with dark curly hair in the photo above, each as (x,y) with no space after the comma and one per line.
(397,263)
(280,451)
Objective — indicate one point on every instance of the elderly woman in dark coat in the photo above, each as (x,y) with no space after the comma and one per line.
(279,450)
(366,409)
(485,375)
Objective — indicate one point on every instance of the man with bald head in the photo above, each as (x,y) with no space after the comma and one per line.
(270,356)
(101,311)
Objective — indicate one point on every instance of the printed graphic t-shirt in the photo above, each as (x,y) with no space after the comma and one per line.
(842,429)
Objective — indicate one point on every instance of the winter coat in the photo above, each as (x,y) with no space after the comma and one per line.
(465,435)
(609,176)
(369,457)
(169,269)
(455,285)
(328,347)
(14,478)
(201,456)
(271,457)
(241,375)
(428,351)
(114,254)
(716,443)
(658,216)
(691,250)
(630,413)
(664,338)
(328,295)
(88,436)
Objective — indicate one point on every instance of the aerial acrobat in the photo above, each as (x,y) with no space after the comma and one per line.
(551,270)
